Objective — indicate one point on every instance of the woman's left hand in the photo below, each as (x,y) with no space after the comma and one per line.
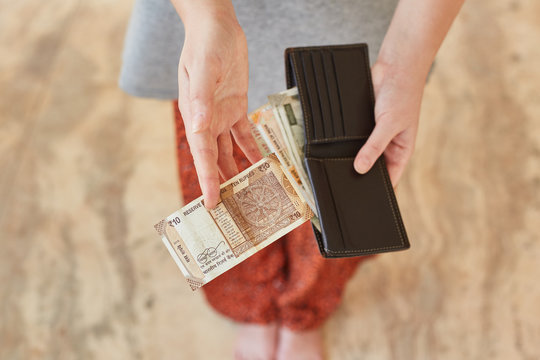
(398,95)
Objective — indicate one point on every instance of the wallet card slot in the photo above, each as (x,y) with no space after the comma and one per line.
(298,78)
(356,97)
(326,209)
(333,94)
(313,96)
(353,199)
(322,87)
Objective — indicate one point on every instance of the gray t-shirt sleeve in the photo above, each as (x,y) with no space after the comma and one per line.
(152,47)
(155,36)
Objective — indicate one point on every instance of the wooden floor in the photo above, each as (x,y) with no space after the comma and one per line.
(85,171)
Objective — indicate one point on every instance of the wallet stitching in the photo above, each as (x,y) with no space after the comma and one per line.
(361,251)
(355,137)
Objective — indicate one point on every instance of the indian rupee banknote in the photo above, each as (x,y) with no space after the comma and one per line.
(289,117)
(288,113)
(257,207)
(267,124)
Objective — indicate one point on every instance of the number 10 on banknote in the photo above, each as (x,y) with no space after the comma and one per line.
(257,207)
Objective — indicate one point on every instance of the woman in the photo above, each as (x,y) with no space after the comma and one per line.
(282,295)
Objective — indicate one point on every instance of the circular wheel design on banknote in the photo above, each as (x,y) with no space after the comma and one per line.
(261,205)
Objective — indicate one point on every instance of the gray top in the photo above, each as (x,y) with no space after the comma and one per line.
(155,36)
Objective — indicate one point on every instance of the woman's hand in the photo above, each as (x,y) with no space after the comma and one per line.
(407,52)
(398,96)
(213,84)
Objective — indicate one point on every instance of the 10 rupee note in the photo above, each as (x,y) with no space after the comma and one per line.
(257,207)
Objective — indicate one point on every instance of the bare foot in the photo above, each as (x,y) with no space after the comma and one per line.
(300,345)
(256,342)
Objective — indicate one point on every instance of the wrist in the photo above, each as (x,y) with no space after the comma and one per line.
(407,74)
(398,61)
(193,13)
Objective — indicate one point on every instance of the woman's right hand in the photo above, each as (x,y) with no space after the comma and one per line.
(212,98)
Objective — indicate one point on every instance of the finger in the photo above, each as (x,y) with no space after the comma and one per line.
(203,144)
(203,147)
(227,165)
(202,87)
(245,140)
(375,145)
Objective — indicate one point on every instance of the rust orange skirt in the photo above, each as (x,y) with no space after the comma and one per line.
(288,282)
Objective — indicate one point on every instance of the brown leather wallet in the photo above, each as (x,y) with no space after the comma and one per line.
(359,214)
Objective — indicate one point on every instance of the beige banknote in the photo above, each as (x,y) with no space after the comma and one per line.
(267,124)
(257,207)
(260,140)
(263,119)
(288,113)
(289,117)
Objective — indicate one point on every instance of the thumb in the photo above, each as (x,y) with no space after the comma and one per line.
(375,145)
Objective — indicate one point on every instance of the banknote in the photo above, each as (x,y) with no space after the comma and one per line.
(256,207)
(265,120)
(260,140)
(288,113)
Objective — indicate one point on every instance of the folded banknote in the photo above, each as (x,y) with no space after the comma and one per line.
(257,207)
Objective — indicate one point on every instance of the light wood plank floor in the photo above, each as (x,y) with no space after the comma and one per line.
(85,171)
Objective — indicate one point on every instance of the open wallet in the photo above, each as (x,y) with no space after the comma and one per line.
(358,213)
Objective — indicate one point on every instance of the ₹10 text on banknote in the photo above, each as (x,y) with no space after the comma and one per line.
(257,207)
